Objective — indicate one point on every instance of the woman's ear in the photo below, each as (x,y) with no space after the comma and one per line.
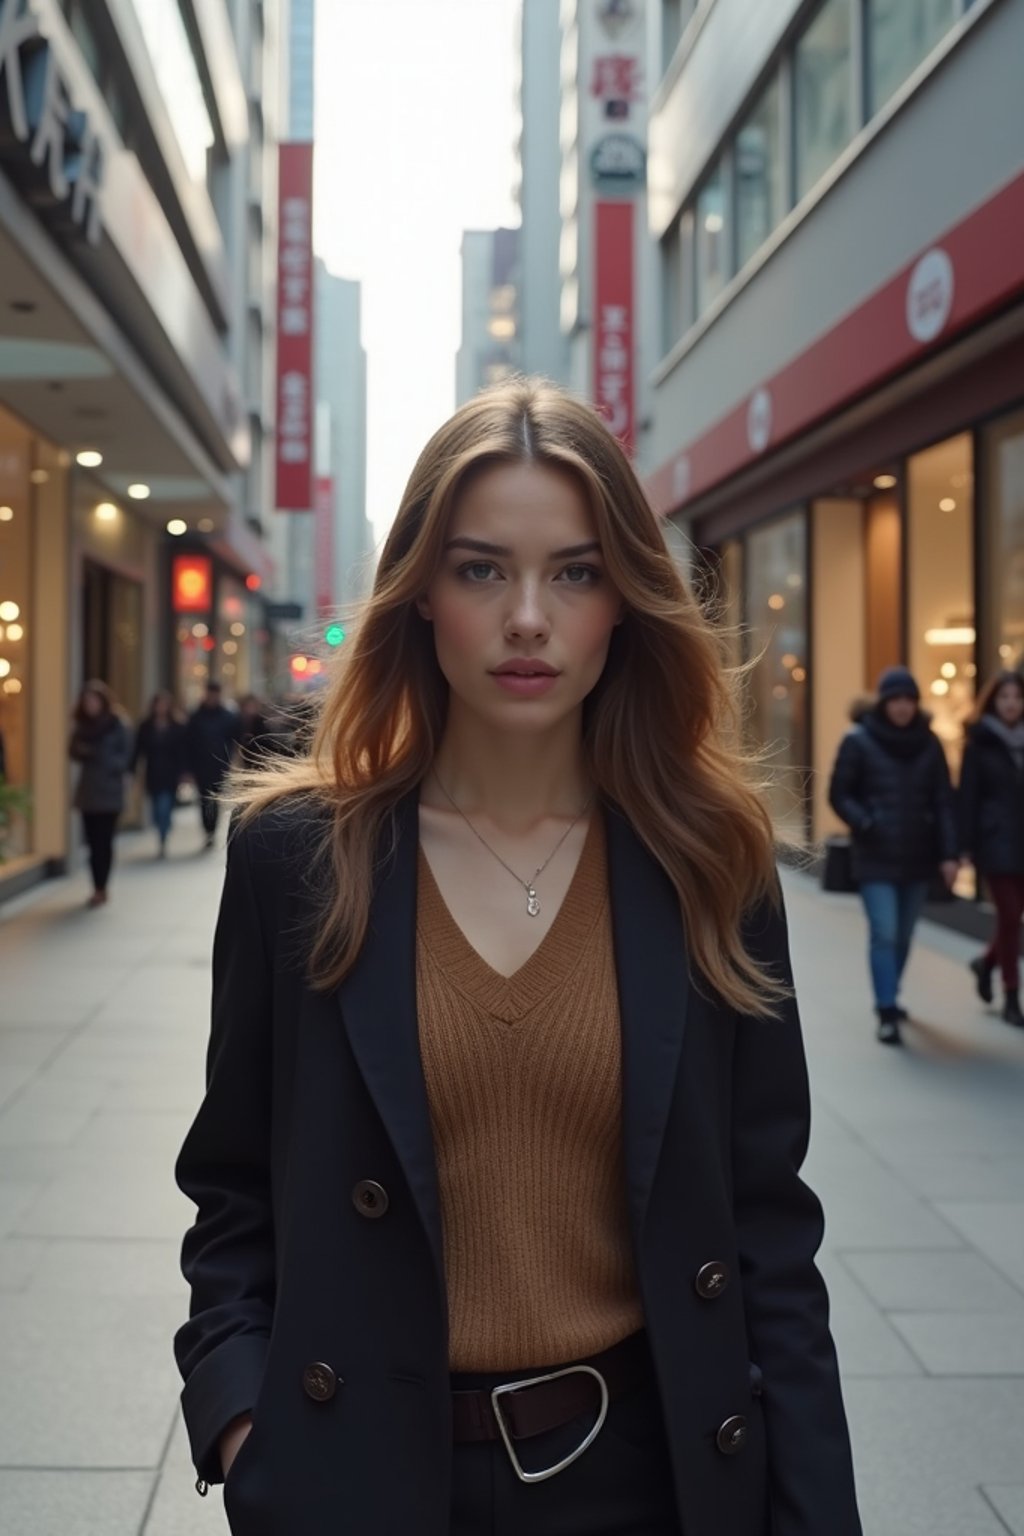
(423,608)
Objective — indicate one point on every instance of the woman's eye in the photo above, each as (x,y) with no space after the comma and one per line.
(479,570)
(581,575)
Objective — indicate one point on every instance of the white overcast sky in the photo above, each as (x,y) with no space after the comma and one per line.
(416,124)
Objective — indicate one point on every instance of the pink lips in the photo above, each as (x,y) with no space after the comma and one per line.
(527,679)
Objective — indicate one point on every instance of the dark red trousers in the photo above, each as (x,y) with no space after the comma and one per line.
(1004,950)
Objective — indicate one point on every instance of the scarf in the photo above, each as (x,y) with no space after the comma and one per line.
(1012,737)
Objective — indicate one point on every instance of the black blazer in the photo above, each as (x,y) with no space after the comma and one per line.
(311,1094)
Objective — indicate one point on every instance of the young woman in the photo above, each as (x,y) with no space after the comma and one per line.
(507,1100)
(101,742)
(161,743)
(890,784)
(991,804)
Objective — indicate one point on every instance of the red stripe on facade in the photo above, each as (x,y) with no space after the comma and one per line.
(964,275)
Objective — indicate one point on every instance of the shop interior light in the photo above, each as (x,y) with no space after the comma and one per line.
(238,628)
(948,669)
(884,482)
(9,612)
(89,458)
(106,512)
(200,631)
(177,526)
(5,666)
(139,491)
(39,476)
(940,687)
(205,525)
(947,504)
(12,685)
(6,514)
(956,635)
(776,602)
(15,632)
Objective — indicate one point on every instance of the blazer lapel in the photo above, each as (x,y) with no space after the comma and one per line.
(378,1004)
(654,986)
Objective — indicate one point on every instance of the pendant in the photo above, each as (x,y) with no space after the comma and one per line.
(532,903)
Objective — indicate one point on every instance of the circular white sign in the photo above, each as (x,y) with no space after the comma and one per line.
(930,295)
(759,420)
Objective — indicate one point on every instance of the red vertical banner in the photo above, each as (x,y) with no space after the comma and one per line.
(295,404)
(323,544)
(614,322)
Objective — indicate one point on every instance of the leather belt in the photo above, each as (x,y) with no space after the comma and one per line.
(533,1410)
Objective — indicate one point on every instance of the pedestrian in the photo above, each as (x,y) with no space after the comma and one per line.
(507,1099)
(891,786)
(160,742)
(252,731)
(991,807)
(210,743)
(101,742)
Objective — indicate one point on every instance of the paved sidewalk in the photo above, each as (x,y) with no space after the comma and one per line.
(919,1156)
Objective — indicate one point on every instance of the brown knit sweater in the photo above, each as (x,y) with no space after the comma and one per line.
(523,1076)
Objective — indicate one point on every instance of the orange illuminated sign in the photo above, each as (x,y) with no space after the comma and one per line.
(191,584)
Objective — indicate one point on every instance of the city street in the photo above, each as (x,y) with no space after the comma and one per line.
(919,1156)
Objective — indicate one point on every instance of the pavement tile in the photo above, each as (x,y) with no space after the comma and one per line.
(72,1503)
(177,1509)
(1008,1501)
(91,1267)
(866,1343)
(28,1125)
(16,1195)
(90,1380)
(19,1259)
(995,1228)
(934,1281)
(965,1343)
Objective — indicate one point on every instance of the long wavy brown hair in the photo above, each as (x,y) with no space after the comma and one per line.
(660,730)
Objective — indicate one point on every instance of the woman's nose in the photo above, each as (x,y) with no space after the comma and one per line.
(527,615)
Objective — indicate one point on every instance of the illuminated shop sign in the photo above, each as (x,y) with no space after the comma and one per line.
(191,584)
(49,146)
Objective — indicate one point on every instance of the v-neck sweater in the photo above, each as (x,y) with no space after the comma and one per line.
(524,1083)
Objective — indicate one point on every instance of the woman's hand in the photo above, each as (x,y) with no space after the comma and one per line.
(950,868)
(232,1440)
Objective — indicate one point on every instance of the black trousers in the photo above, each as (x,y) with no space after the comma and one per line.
(209,807)
(99,834)
(621,1486)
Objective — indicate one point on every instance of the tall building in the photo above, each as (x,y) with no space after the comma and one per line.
(838,407)
(341,441)
(542,344)
(489,351)
(131,348)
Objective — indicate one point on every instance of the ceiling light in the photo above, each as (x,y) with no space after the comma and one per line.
(9,612)
(12,685)
(6,514)
(947,504)
(89,458)
(776,601)
(884,482)
(106,512)
(138,491)
(15,632)
(5,666)
(956,634)
(177,526)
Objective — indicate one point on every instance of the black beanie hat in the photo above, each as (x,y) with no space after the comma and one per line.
(897,683)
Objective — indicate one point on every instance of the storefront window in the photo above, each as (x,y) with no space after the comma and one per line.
(713,237)
(677,279)
(758,174)
(776,619)
(16,619)
(823,84)
(1004,540)
(900,34)
(940,569)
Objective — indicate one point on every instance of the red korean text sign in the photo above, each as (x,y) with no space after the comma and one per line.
(614,321)
(191,584)
(324,544)
(295,402)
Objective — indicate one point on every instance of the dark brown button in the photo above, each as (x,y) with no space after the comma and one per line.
(319,1382)
(712,1279)
(732,1436)
(370,1199)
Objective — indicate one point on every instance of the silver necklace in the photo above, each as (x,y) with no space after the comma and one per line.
(529,886)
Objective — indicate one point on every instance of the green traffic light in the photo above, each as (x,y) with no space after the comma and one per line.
(334,634)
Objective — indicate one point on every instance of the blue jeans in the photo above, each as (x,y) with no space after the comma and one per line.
(893,910)
(163,806)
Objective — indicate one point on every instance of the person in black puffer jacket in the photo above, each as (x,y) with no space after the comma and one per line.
(991,817)
(890,784)
(101,742)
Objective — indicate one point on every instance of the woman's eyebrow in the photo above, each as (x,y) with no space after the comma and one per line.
(481,547)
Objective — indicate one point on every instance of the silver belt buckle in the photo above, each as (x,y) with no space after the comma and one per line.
(536,1381)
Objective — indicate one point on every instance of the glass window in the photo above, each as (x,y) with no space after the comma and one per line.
(940,575)
(823,88)
(713,237)
(776,618)
(16,636)
(677,279)
(900,34)
(758,161)
(1004,541)
(171,55)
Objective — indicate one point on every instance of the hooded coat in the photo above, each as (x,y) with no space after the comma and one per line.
(104,748)
(990,803)
(891,786)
